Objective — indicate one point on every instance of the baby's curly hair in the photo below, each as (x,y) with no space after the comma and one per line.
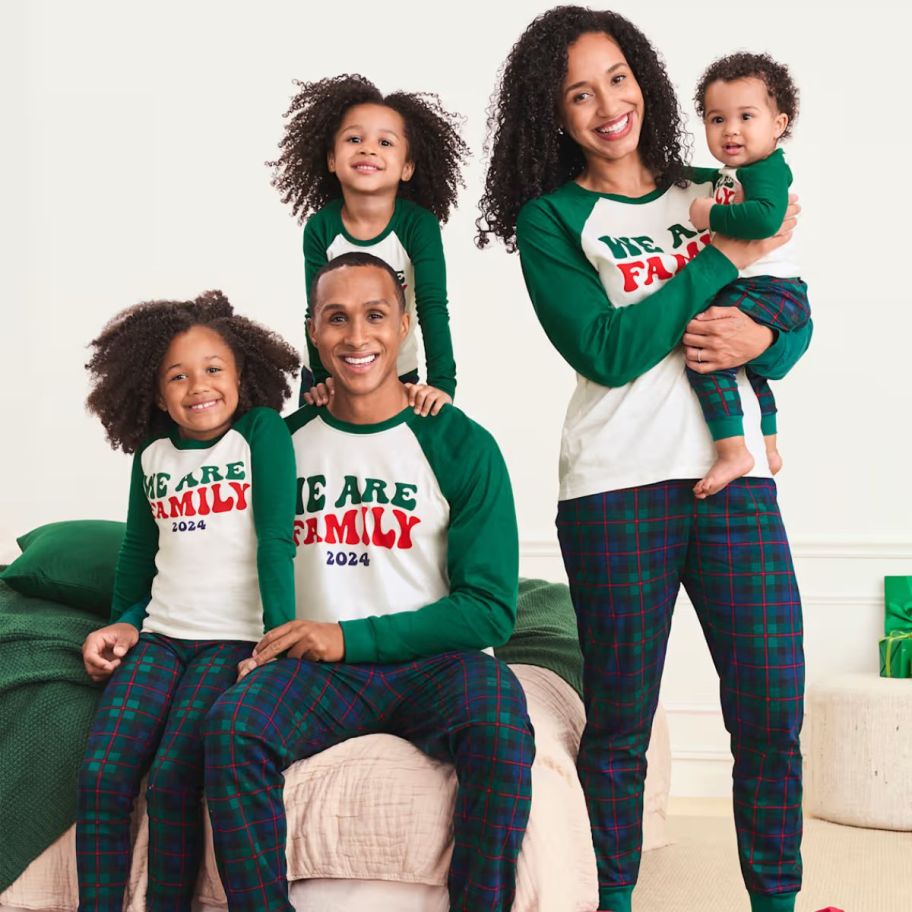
(435,147)
(529,153)
(775,76)
(128,353)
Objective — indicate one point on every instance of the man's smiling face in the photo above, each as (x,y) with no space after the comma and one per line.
(358,324)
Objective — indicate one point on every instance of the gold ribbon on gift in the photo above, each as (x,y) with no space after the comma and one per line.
(893,637)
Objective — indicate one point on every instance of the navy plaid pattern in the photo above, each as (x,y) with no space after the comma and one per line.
(149,719)
(466,708)
(627,553)
(781,304)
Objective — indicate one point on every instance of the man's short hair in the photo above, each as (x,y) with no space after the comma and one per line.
(355,259)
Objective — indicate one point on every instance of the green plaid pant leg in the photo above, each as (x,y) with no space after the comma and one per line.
(279,713)
(766,399)
(122,741)
(742,583)
(468,709)
(624,552)
(175,785)
(720,401)
(781,304)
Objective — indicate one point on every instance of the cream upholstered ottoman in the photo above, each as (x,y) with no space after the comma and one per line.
(859,751)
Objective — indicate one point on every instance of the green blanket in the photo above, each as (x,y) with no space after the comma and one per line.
(47,703)
(545,632)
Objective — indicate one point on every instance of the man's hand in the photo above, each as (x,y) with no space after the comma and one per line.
(723,337)
(426,399)
(103,650)
(699,211)
(320,394)
(314,640)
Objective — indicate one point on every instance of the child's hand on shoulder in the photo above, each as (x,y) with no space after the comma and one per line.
(320,394)
(426,400)
(103,649)
(699,212)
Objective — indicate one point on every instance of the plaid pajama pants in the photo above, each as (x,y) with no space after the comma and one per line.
(781,304)
(626,553)
(149,719)
(466,708)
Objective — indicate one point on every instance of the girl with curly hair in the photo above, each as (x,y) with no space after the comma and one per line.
(587,179)
(748,103)
(377,173)
(191,389)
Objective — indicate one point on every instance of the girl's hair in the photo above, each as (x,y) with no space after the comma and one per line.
(775,76)
(127,356)
(435,147)
(529,153)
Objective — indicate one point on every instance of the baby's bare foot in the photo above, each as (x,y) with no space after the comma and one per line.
(726,468)
(774,459)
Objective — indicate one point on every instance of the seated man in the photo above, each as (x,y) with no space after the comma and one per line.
(406,569)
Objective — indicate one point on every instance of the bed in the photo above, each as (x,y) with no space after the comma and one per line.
(370,819)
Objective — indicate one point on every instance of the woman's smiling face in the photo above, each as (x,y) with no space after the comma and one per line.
(601,105)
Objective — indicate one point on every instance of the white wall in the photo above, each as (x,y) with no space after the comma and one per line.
(134,137)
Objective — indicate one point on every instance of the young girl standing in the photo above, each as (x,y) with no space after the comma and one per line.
(377,174)
(192,390)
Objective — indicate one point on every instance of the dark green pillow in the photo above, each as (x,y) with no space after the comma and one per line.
(69,562)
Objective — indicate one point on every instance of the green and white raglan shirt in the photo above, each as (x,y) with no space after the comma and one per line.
(614,281)
(209,532)
(411,244)
(406,533)
(765,185)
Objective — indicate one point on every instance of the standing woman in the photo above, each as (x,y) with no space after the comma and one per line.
(587,180)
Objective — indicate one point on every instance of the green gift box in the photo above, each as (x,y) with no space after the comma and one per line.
(897,603)
(896,655)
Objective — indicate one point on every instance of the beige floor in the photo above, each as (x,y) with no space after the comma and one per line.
(850,868)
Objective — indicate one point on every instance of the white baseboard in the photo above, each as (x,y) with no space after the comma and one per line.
(701,774)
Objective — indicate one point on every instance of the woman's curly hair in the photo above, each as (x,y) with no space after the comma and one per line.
(435,147)
(529,153)
(128,352)
(775,76)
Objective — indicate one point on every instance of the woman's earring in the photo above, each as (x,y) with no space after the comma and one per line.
(560,131)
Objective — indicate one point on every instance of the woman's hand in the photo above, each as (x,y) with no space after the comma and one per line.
(723,337)
(744,253)
(426,399)
(103,649)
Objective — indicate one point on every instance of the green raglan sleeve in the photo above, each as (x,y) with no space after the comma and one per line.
(482,555)
(273,478)
(784,353)
(425,249)
(766,188)
(314,259)
(608,345)
(136,561)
